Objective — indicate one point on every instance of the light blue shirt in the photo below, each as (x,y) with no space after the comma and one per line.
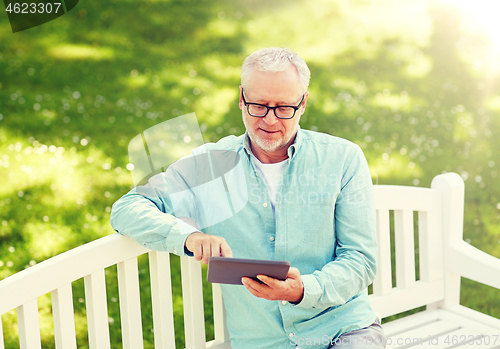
(324,226)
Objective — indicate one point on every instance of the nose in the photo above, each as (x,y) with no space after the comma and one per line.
(271,118)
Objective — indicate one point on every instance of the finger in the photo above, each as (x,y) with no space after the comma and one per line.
(271,282)
(293,273)
(252,287)
(255,285)
(214,249)
(261,287)
(206,252)
(245,280)
(225,250)
(198,251)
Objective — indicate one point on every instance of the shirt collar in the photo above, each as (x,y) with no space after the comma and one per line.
(246,144)
(294,147)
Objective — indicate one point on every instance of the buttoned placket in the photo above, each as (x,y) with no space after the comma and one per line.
(286,309)
(266,205)
(279,240)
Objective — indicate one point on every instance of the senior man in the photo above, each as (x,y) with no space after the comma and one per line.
(310,202)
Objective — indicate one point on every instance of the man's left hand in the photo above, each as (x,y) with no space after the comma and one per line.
(291,289)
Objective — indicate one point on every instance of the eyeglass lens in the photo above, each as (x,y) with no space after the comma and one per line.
(260,110)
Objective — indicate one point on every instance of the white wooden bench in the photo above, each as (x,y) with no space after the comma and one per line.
(443,258)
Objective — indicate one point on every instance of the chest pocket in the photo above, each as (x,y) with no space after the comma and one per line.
(317,222)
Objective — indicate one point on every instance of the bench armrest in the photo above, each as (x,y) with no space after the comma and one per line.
(472,263)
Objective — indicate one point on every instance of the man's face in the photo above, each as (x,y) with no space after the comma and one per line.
(272,89)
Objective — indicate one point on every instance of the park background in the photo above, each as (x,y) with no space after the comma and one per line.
(415,83)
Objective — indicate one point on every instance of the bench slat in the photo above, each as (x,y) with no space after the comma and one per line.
(382,285)
(404,299)
(409,322)
(161,297)
(192,295)
(416,336)
(130,304)
(97,310)
(463,335)
(405,248)
(2,345)
(472,319)
(478,343)
(65,268)
(64,317)
(452,189)
(395,197)
(29,325)
(218,345)
(430,245)
(220,330)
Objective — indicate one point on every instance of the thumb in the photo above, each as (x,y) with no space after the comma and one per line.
(293,273)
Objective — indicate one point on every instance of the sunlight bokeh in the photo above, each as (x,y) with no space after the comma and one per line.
(345,25)
(481,18)
(74,52)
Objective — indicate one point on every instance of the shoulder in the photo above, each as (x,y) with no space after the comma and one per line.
(234,143)
(323,149)
(323,140)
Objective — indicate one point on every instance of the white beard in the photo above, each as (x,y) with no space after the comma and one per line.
(265,144)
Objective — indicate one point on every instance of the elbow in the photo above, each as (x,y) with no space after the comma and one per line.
(371,268)
(115,216)
(371,272)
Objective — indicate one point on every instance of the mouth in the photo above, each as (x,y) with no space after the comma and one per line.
(268,131)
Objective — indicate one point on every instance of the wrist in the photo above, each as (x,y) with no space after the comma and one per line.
(187,242)
(299,299)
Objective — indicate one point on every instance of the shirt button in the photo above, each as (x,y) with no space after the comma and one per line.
(291,335)
(175,251)
(264,204)
(284,303)
(271,238)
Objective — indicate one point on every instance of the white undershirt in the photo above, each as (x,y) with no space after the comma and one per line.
(271,174)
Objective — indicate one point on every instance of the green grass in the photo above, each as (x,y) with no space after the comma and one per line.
(405,85)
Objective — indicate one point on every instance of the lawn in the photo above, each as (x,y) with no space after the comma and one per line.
(411,83)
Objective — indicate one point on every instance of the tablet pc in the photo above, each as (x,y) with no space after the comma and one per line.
(224,270)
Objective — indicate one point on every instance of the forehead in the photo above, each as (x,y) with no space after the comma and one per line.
(282,86)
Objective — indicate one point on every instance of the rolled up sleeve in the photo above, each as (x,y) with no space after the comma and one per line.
(146,215)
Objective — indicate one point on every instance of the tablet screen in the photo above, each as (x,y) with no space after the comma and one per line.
(223,270)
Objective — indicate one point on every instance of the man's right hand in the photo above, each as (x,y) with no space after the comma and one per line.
(204,246)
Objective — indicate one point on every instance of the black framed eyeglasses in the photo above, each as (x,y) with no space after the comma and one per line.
(280,111)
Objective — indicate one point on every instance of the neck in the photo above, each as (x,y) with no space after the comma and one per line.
(271,157)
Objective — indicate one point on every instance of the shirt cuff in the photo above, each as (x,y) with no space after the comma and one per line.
(177,239)
(312,292)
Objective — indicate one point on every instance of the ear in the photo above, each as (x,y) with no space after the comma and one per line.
(240,105)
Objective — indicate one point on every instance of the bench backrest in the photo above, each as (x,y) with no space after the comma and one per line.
(436,207)
(413,227)
(20,292)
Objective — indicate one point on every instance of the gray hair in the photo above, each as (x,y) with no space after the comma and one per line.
(275,59)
